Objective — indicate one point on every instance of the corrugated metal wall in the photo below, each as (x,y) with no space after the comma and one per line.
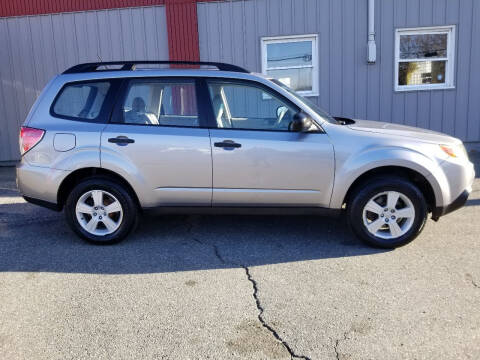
(36,7)
(231,31)
(182,29)
(35,48)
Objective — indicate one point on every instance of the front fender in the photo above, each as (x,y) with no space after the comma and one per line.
(375,157)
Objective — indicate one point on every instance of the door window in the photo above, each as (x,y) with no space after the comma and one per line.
(150,102)
(247,106)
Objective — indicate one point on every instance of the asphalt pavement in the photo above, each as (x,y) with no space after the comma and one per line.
(236,287)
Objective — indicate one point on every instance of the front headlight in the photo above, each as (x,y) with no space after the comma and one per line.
(455,151)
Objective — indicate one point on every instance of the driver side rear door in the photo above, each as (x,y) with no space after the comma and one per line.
(257,161)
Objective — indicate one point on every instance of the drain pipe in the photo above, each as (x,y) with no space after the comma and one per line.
(371,45)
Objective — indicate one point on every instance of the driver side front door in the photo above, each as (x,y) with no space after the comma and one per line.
(257,161)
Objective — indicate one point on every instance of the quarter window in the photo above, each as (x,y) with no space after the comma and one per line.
(424,58)
(151,102)
(292,60)
(81,100)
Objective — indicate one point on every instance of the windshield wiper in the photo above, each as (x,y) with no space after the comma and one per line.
(343,121)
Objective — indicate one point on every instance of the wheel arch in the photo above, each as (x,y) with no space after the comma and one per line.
(75,177)
(409,174)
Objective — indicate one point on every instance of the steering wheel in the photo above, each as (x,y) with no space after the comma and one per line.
(281,111)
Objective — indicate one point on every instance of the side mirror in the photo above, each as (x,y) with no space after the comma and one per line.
(301,122)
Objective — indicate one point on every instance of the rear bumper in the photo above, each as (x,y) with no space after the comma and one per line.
(455,205)
(46,204)
(39,185)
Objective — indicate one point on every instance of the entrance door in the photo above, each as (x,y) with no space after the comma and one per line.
(156,137)
(257,161)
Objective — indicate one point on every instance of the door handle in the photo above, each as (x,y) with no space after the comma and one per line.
(121,140)
(227,144)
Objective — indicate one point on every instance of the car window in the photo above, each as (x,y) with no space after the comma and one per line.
(248,106)
(81,100)
(150,102)
(317,109)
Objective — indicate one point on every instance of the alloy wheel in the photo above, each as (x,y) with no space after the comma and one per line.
(99,212)
(389,215)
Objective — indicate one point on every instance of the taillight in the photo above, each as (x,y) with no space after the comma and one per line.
(29,137)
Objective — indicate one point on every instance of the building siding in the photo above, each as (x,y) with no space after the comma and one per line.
(36,48)
(182,29)
(37,7)
(231,32)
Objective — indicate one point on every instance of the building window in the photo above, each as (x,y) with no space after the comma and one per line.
(424,58)
(292,60)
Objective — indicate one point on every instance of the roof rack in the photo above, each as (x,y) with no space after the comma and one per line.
(130,65)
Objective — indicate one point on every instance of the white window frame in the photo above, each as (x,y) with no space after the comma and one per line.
(450,58)
(288,39)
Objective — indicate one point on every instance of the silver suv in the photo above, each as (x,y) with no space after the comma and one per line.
(107,141)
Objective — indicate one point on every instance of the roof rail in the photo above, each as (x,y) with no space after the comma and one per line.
(130,65)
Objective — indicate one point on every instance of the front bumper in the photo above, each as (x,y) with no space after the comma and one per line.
(455,205)
(455,179)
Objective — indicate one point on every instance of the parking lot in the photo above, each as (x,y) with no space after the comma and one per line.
(228,287)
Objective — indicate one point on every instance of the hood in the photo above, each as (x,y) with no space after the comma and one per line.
(402,130)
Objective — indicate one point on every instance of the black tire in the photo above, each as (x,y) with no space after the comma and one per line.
(362,194)
(129,207)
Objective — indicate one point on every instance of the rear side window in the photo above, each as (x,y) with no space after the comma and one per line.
(81,101)
(161,103)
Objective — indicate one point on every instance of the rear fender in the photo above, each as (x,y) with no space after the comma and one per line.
(126,169)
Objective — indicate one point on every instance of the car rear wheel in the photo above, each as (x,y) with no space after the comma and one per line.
(387,212)
(101,211)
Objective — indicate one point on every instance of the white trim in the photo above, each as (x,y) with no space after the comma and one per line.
(282,38)
(290,67)
(450,59)
(264,41)
(424,59)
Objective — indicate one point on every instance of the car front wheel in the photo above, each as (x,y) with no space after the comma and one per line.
(387,212)
(101,211)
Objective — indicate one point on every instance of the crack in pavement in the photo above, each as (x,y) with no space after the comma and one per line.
(259,306)
(264,323)
(337,342)
(470,278)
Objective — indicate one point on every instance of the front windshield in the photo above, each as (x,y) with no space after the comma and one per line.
(318,110)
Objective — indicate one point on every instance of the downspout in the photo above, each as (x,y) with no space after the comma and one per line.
(371,45)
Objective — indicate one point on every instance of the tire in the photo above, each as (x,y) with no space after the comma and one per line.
(110,224)
(363,215)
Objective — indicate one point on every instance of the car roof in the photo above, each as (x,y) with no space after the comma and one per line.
(166,72)
(150,68)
